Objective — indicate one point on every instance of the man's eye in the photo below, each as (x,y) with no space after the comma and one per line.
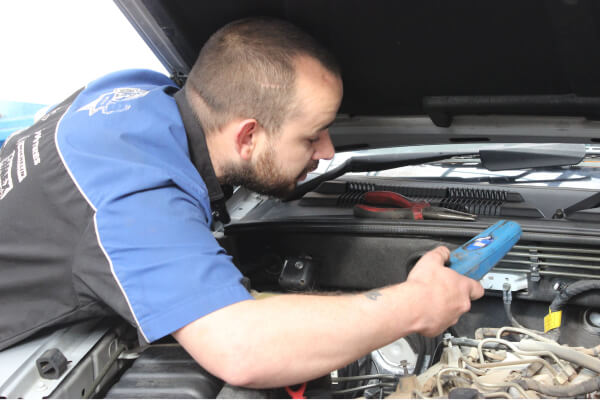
(314,140)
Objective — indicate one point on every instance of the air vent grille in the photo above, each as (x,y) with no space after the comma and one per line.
(477,201)
(539,261)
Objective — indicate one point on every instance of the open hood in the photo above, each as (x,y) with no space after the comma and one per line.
(426,71)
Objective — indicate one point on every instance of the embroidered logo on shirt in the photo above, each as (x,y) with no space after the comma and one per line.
(115,101)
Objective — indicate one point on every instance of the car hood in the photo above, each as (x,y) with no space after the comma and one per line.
(427,71)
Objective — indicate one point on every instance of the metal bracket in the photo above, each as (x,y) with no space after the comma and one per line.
(535,266)
(497,280)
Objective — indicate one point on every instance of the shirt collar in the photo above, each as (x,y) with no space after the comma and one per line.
(200,157)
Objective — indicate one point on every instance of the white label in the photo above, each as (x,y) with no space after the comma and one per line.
(21,165)
(6,183)
(35,147)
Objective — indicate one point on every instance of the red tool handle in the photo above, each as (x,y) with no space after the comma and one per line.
(393,199)
(366,211)
(296,394)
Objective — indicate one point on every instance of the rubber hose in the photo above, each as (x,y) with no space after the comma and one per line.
(420,354)
(566,391)
(565,353)
(572,290)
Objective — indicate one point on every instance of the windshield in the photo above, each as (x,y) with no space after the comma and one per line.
(585,175)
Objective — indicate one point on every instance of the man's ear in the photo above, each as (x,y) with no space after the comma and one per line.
(246,137)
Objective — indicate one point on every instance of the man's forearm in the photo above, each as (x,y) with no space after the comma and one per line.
(288,339)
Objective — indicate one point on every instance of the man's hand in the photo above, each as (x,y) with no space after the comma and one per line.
(443,295)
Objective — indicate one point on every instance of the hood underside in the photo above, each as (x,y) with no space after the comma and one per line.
(433,60)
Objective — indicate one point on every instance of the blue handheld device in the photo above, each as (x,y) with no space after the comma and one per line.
(479,255)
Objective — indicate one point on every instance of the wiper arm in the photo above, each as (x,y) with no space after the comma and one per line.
(592,201)
(533,156)
(371,163)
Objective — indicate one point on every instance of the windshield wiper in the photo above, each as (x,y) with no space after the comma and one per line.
(505,158)
(371,163)
(532,156)
(499,180)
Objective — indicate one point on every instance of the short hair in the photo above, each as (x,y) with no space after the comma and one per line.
(246,70)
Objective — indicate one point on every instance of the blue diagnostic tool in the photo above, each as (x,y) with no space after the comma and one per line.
(479,255)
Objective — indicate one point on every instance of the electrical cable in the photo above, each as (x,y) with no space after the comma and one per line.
(507,300)
(511,317)
(363,387)
(377,370)
(365,377)
(322,394)
(566,294)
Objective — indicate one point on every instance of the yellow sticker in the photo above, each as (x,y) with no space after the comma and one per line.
(552,320)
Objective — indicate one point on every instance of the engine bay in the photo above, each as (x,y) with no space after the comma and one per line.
(317,244)
(507,346)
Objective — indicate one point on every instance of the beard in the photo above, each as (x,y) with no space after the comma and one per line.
(264,177)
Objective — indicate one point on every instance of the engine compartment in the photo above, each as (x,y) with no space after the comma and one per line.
(500,348)
(316,244)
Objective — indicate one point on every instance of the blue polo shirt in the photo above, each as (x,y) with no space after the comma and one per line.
(125,184)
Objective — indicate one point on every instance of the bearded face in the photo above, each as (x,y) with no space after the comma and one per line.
(267,175)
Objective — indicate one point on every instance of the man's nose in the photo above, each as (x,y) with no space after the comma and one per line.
(324,149)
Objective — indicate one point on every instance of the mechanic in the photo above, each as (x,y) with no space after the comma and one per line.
(106,205)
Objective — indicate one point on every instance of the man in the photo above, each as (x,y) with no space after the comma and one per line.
(106,203)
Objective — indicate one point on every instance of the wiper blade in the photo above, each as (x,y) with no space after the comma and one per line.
(498,180)
(533,156)
(371,163)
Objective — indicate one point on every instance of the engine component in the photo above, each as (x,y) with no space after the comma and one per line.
(495,367)
(398,358)
(298,273)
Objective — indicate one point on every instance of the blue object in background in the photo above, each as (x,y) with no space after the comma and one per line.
(15,115)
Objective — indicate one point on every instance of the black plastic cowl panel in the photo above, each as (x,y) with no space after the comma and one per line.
(165,372)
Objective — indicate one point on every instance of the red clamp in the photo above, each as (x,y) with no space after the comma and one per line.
(296,394)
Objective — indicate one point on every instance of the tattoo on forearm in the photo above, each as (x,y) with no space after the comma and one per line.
(373,295)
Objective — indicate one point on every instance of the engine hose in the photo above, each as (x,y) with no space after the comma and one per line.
(563,352)
(420,355)
(566,391)
(566,294)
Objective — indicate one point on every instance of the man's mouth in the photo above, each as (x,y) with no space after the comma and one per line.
(313,166)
